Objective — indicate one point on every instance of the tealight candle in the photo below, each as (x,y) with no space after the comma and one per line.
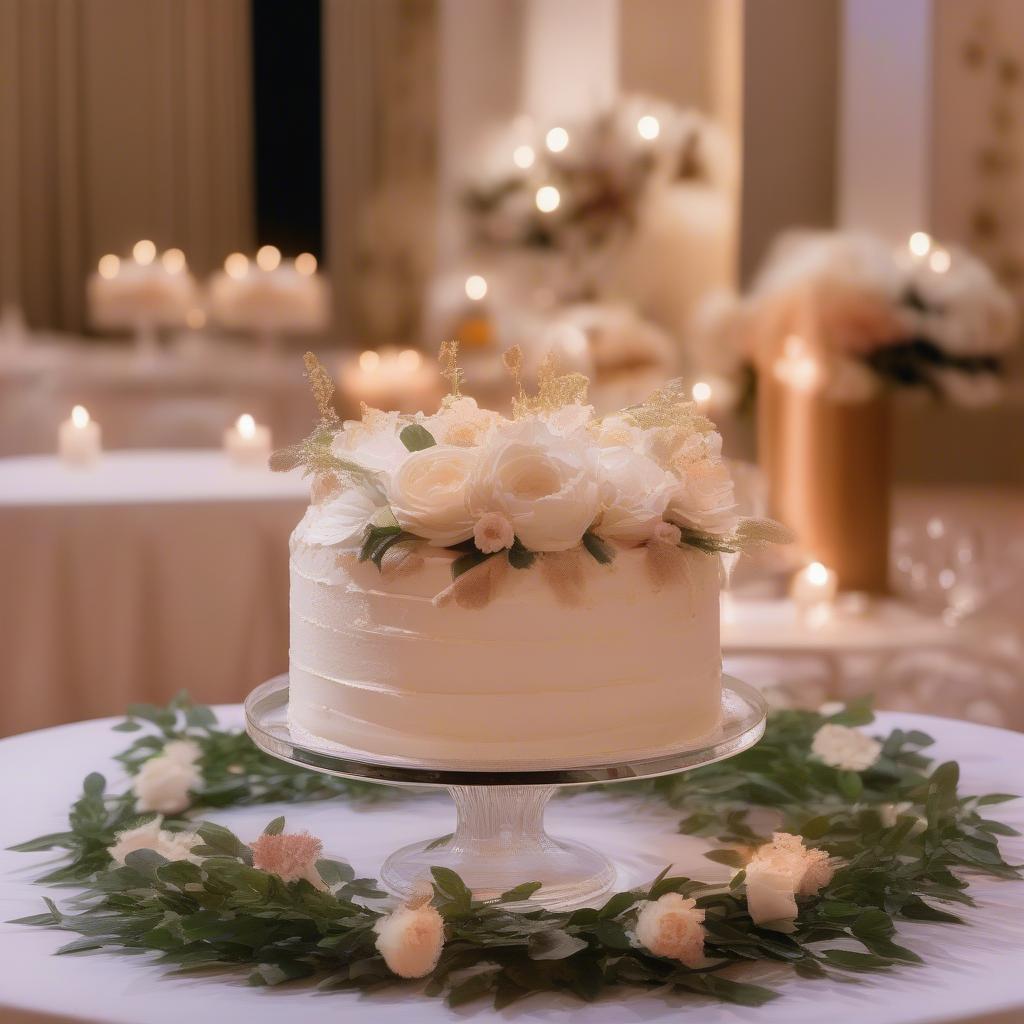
(814,589)
(390,379)
(78,439)
(247,442)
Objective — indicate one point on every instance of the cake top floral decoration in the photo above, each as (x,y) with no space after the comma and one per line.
(553,483)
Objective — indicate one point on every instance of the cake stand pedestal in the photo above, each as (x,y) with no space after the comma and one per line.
(499,840)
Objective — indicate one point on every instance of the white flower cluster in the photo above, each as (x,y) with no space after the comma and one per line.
(841,747)
(543,480)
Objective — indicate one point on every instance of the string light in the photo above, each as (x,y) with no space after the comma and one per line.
(144,252)
(476,287)
(523,157)
(237,265)
(268,257)
(305,264)
(109,266)
(557,139)
(173,261)
(548,197)
(920,242)
(648,127)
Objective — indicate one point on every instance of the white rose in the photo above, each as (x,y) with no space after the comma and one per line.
(342,518)
(548,486)
(427,494)
(170,845)
(673,927)
(493,532)
(373,442)
(637,492)
(568,419)
(163,784)
(185,751)
(839,746)
(410,940)
(777,873)
(704,498)
(616,430)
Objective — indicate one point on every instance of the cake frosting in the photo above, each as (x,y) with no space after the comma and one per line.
(471,587)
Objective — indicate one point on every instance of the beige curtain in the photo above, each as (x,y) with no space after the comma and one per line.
(119,119)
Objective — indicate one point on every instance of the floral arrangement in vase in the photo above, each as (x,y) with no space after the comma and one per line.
(846,314)
(552,479)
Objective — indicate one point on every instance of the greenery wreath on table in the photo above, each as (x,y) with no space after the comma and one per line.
(868,832)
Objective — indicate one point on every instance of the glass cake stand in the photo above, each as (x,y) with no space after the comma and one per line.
(499,839)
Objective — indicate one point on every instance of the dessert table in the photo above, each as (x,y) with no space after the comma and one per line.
(149,572)
(974,978)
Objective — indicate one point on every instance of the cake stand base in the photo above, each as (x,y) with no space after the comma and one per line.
(499,842)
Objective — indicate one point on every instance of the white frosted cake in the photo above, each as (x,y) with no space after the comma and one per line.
(470,587)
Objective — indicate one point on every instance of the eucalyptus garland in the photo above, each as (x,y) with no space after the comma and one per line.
(217,911)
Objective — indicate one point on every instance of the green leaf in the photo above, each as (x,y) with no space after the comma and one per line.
(520,557)
(275,827)
(554,945)
(850,784)
(520,893)
(416,437)
(598,549)
(731,858)
(128,725)
(470,560)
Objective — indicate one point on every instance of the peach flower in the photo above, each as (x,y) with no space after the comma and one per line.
(411,939)
(290,857)
(673,927)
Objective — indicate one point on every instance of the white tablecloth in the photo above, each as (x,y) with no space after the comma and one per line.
(970,974)
(149,573)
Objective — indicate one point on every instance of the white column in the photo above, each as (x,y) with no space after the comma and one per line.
(885,116)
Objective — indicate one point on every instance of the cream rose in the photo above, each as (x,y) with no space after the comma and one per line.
(410,939)
(373,442)
(547,486)
(704,498)
(637,492)
(778,872)
(848,749)
(342,518)
(427,494)
(163,782)
(462,422)
(673,927)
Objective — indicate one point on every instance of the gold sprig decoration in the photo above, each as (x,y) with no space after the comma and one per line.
(669,407)
(448,357)
(554,390)
(322,385)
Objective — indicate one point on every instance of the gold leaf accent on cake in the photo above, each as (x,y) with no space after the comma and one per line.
(325,486)
(756,533)
(554,390)
(322,385)
(667,565)
(401,558)
(450,370)
(563,571)
(476,587)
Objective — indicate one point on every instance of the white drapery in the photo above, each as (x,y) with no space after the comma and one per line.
(119,119)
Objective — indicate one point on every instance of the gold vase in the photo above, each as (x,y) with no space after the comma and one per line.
(826,464)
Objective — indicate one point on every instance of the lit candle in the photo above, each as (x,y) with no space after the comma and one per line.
(247,442)
(78,440)
(557,139)
(391,379)
(797,366)
(648,127)
(476,287)
(701,392)
(813,590)
(919,244)
(547,198)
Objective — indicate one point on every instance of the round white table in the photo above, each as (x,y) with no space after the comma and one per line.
(151,572)
(970,973)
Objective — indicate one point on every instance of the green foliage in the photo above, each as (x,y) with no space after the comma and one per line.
(416,437)
(598,549)
(222,914)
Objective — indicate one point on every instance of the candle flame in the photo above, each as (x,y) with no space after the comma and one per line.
(369,360)
(246,426)
(557,139)
(476,287)
(817,574)
(80,417)
(701,391)
(268,257)
(144,252)
(648,127)
(305,264)
(109,266)
(920,242)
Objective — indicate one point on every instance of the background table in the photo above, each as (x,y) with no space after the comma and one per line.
(149,573)
(971,973)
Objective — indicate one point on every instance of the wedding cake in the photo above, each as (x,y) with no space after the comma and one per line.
(476,588)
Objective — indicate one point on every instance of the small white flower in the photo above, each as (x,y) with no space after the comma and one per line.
(411,939)
(493,532)
(427,494)
(673,927)
(547,486)
(667,533)
(163,783)
(170,845)
(636,493)
(842,747)
(778,872)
